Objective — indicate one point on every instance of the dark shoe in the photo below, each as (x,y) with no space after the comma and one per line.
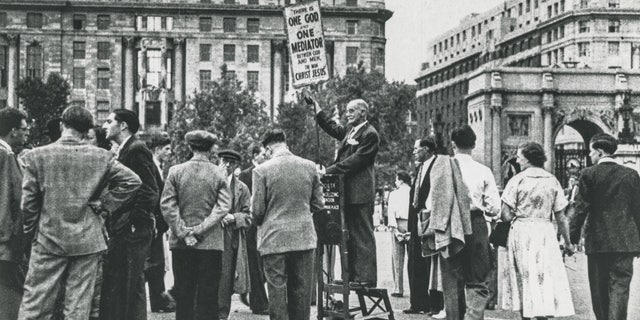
(244,298)
(412,311)
(365,284)
(261,312)
(164,309)
(491,306)
(397,295)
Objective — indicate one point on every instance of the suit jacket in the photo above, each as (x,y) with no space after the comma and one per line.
(161,224)
(608,201)
(423,193)
(10,214)
(241,211)
(355,161)
(196,195)
(245,177)
(64,189)
(286,190)
(137,157)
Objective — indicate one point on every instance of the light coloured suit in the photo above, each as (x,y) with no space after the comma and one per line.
(196,195)
(286,190)
(62,192)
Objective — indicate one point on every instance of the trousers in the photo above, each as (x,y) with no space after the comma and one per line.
(362,243)
(609,279)
(197,277)
(289,277)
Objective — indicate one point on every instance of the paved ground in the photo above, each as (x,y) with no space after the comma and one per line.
(576,270)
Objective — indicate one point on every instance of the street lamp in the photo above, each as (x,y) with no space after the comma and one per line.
(626,136)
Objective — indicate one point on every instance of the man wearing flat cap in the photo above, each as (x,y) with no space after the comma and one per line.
(234,232)
(608,200)
(196,198)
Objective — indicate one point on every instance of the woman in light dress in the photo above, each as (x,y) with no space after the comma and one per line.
(538,285)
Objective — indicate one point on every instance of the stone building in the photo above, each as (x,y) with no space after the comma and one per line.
(596,34)
(149,55)
(524,69)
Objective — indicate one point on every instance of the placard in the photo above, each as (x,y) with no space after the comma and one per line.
(328,222)
(306,44)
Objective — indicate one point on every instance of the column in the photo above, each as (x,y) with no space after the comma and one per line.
(635,57)
(129,68)
(164,115)
(277,48)
(496,135)
(547,110)
(178,88)
(12,76)
(142,74)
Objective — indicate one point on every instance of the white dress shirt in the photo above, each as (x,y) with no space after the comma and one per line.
(355,129)
(399,204)
(481,184)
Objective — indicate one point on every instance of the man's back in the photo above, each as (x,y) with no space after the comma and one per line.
(61,180)
(286,191)
(609,200)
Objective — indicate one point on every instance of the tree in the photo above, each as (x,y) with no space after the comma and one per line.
(43,101)
(390,104)
(225,108)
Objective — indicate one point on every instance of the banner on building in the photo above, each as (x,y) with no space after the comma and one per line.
(306,44)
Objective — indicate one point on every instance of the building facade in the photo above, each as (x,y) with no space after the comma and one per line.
(148,56)
(559,34)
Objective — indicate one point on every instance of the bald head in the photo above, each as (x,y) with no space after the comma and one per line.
(357,111)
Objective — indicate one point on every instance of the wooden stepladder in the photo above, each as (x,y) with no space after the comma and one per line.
(332,231)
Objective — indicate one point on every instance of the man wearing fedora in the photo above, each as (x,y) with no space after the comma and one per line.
(195,200)
(234,230)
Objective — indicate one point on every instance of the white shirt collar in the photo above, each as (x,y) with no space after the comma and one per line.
(6,145)
(608,159)
(122,145)
(356,128)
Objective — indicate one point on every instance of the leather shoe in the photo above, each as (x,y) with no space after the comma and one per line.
(397,295)
(261,312)
(365,284)
(412,311)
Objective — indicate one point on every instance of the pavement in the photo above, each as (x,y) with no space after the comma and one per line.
(576,268)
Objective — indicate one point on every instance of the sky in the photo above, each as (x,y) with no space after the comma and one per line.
(416,22)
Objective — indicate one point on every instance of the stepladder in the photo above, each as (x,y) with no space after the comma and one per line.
(333,235)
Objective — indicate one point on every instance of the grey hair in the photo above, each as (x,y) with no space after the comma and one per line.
(360,104)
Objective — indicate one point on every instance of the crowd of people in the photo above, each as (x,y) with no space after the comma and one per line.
(87,220)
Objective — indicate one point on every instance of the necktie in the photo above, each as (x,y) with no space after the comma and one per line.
(416,187)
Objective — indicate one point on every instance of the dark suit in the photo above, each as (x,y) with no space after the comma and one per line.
(154,266)
(419,267)
(258,300)
(131,228)
(356,162)
(608,200)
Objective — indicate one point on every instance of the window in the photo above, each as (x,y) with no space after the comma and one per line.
(528,8)
(229,24)
(555,9)
(154,68)
(103,110)
(535,4)
(3,103)
(205,52)
(79,51)
(253,53)
(464,35)
(378,58)
(205,24)
(3,66)
(253,25)
(104,50)
(378,29)
(205,79)
(352,26)
(583,49)
(614,25)
(561,5)
(104,21)
(519,9)
(3,19)
(79,21)
(614,3)
(473,32)
(252,80)
(352,3)
(583,26)
(561,32)
(614,48)
(104,74)
(78,77)
(229,52)
(229,1)
(549,11)
(584,4)
(34,61)
(229,75)
(205,1)
(34,20)
(519,125)
(352,55)
(253,2)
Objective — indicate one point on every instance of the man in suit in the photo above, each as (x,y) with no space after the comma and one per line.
(608,200)
(419,267)
(258,301)
(196,198)
(132,227)
(286,191)
(234,230)
(67,186)
(13,131)
(356,157)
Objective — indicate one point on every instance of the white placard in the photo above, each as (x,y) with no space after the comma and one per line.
(306,44)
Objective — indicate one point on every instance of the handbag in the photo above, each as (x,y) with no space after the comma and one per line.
(500,234)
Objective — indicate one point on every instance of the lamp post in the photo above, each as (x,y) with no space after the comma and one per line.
(626,136)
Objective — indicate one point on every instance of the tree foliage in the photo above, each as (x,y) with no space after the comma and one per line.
(234,114)
(389,103)
(43,101)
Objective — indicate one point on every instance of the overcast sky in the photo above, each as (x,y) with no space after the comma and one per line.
(415,23)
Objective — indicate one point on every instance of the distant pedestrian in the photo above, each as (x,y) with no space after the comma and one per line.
(195,200)
(67,186)
(286,192)
(399,224)
(608,199)
(538,281)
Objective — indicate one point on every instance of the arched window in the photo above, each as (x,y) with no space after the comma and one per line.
(34,60)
